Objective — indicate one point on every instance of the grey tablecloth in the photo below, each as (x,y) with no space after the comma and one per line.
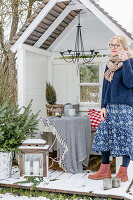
(74,136)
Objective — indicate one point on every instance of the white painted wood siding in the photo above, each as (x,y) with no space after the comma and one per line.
(94,32)
(65,81)
(36,73)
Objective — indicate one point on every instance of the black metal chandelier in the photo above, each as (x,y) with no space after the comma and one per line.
(79,52)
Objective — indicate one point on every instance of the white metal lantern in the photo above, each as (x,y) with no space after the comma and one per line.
(34,158)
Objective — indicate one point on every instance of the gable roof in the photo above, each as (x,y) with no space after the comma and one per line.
(111,18)
(41,30)
(46,23)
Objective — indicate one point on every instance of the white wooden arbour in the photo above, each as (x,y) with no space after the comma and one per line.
(74,5)
(22,49)
(84,4)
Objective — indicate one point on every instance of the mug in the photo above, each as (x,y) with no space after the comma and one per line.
(71,112)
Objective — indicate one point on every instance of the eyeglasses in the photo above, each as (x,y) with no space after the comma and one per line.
(114,46)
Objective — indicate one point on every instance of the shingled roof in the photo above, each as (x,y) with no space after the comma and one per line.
(111,18)
(45,24)
(50,18)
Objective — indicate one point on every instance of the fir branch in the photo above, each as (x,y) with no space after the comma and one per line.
(31,179)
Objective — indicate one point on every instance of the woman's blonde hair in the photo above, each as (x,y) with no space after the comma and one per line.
(123,42)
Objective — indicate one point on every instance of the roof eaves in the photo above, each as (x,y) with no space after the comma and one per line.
(111,18)
(28,22)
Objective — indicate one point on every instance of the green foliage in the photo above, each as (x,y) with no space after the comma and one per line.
(15,125)
(89,74)
(89,94)
(34,180)
(55,179)
(48,195)
(50,94)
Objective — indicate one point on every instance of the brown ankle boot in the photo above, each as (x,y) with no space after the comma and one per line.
(122,174)
(103,172)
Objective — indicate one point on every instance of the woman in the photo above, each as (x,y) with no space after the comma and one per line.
(114,135)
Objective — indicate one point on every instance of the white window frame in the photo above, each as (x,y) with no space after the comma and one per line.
(90,84)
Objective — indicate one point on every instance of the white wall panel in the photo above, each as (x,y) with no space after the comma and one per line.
(95,34)
(36,73)
(65,81)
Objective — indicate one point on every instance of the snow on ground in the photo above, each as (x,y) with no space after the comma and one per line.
(12,197)
(76,182)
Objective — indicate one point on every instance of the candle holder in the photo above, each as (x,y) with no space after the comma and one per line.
(107,183)
(116,181)
(34,158)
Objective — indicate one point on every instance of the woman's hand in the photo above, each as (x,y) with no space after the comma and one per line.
(123,55)
(103,114)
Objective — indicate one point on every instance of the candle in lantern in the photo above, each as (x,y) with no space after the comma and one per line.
(41,170)
(41,167)
(36,168)
(27,168)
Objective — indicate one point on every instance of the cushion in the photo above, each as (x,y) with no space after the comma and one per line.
(95,118)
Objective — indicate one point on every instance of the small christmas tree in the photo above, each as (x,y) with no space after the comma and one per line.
(15,125)
(50,94)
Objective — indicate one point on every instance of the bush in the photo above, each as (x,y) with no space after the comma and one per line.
(15,125)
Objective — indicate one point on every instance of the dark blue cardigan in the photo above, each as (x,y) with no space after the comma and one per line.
(120,90)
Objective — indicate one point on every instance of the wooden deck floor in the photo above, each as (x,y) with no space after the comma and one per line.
(58,181)
(94,163)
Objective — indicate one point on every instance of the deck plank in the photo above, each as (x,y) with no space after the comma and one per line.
(71,183)
(55,174)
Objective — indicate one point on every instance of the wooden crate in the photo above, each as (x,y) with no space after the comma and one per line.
(53,109)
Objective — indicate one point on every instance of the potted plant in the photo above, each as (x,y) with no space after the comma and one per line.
(52,108)
(50,94)
(15,125)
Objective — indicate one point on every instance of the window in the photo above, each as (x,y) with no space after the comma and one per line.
(89,83)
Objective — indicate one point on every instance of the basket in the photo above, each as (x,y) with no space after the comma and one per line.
(53,110)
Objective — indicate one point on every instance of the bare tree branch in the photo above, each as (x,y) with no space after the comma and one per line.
(15,18)
(12,14)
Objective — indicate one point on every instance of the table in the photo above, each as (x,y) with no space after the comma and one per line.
(74,137)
